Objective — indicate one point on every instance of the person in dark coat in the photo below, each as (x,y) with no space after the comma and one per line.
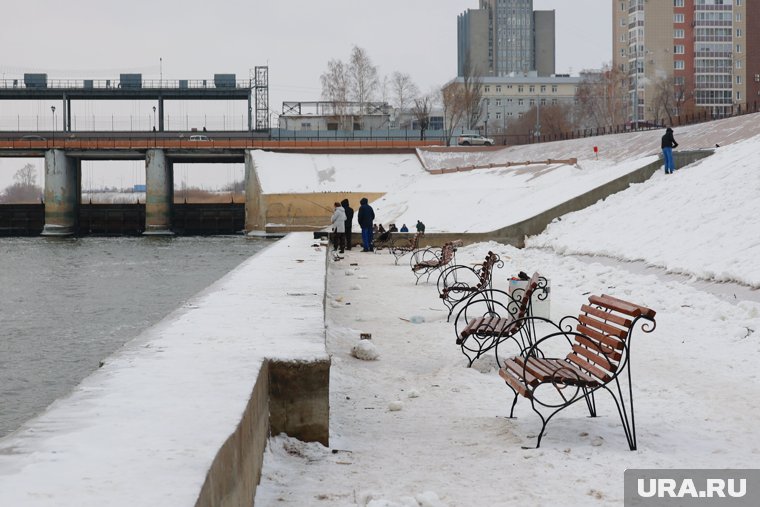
(668,143)
(420,227)
(366,218)
(349,220)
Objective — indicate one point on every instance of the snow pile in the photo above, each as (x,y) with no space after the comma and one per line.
(365,350)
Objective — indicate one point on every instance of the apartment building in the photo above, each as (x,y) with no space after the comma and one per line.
(505,37)
(705,52)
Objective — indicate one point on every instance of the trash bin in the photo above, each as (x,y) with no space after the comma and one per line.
(541,307)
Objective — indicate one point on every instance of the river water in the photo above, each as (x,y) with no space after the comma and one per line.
(67,304)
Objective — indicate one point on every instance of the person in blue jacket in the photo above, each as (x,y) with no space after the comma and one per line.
(366,218)
(404,228)
(668,143)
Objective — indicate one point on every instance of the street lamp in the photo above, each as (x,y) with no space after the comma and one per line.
(154,118)
(52,108)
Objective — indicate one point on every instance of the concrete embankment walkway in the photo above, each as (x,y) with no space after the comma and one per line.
(180,416)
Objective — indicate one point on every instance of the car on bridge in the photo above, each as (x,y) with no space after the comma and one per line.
(199,137)
(474,140)
(32,137)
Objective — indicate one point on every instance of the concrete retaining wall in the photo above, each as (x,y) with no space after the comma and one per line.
(181,415)
(515,234)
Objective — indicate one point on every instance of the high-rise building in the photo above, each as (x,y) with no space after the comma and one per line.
(505,37)
(695,55)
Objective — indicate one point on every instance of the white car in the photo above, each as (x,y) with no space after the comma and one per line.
(199,138)
(474,140)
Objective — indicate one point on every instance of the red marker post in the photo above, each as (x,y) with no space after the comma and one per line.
(596,152)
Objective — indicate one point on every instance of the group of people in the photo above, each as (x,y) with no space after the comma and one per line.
(342,224)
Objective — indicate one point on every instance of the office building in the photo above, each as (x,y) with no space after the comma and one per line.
(505,37)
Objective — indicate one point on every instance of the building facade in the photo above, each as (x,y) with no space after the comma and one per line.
(505,37)
(706,53)
(505,99)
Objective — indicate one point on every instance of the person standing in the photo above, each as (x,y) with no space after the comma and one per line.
(668,143)
(366,218)
(339,227)
(349,221)
(404,228)
(420,227)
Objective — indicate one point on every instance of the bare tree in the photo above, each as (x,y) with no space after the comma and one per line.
(453,102)
(26,176)
(555,119)
(602,98)
(404,91)
(421,110)
(25,189)
(362,77)
(472,96)
(335,87)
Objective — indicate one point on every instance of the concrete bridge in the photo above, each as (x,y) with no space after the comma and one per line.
(63,157)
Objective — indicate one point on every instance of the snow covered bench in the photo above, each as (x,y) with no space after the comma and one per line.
(599,358)
(491,317)
(457,283)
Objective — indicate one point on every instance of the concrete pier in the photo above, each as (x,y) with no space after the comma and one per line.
(62,194)
(255,205)
(159,194)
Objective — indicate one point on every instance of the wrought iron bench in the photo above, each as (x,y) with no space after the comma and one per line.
(599,359)
(411,245)
(384,240)
(457,283)
(493,316)
(427,261)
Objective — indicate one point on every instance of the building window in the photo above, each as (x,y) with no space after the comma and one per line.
(532,102)
(520,102)
(543,88)
(738,48)
(519,89)
(738,95)
(498,102)
(678,34)
(738,80)
(738,32)
(738,64)
(679,65)
(677,3)
(677,18)
(498,89)
(488,89)
(739,17)
(554,102)
(498,116)
(679,49)
(554,88)
(532,89)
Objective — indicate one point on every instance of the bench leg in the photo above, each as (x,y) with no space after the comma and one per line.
(512,410)
(628,422)
(590,401)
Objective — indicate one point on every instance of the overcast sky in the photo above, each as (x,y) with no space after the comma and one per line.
(296,38)
(190,39)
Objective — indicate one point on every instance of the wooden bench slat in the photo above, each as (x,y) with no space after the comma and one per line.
(612,317)
(590,368)
(564,363)
(607,329)
(594,345)
(595,358)
(515,383)
(517,368)
(607,340)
